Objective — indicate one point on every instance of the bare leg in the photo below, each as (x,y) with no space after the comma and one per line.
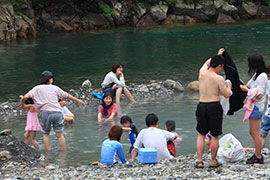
(33,139)
(214,149)
(254,131)
(46,139)
(200,146)
(61,140)
(26,137)
(128,95)
(118,96)
(263,141)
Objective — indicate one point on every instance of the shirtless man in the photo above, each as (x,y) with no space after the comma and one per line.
(209,111)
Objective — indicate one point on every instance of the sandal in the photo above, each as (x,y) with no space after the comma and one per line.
(199,164)
(217,164)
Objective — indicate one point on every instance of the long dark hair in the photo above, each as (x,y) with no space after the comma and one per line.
(256,64)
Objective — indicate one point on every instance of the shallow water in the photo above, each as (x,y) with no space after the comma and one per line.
(159,53)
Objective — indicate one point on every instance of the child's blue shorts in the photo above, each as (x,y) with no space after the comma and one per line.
(256,114)
(265,126)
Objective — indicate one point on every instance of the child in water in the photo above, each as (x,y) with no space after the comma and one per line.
(68,115)
(112,147)
(207,141)
(129,127)
(170,126)
(107,110)
(32,123)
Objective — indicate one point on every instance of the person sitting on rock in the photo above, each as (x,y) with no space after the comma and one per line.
(112,147)
(46,96)
(68,115)
(153,137)
(114,83)
(107,110)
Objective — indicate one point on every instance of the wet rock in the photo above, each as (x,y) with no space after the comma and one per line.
(146,20)
(143,88)
(193,86)
(263,12)
(224,19)
(87,84)
(177,86)
(168,83)
(5,132)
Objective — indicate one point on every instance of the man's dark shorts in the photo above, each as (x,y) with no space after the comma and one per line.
(209,118)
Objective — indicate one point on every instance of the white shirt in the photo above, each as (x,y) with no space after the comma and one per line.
(65,110)
(267,112)
(155,138)
(112,78)
(261,84)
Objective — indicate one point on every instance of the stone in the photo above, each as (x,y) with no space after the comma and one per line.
(250,8)
(87,84)
(263,11)
(143,88)
(146,21)
(177,86)
(224,19)
(159,12)
(61,26)
(168,83)
(218,3)
(5,132)
(193,86)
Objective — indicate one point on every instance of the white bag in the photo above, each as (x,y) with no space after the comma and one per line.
(230,149)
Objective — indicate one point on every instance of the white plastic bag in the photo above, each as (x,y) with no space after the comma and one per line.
(230,149)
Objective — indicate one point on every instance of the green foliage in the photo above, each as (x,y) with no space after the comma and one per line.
(108,11)
(15,4)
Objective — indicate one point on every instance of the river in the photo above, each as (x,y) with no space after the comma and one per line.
(158,53)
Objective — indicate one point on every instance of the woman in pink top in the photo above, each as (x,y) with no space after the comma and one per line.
(32,123)
(107,110)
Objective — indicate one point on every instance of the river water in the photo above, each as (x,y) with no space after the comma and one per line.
(158,53)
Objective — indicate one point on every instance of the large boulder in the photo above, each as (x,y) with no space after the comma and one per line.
(224,19)
(168,83)
(182,8)
(159,12)
(87,84)
(263,12)
(146,20)
(193,86)
(250,8)
(229,10)
(177,86)
(95,21)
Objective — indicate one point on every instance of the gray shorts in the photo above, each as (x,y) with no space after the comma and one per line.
(49,119)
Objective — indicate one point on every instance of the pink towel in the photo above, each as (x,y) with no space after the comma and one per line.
(249,106)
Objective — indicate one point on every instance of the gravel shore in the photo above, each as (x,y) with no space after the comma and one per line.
(178,168)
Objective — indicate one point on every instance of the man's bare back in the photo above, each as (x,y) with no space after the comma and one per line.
(211,83)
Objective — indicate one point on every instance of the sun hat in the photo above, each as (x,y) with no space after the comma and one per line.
(47,73)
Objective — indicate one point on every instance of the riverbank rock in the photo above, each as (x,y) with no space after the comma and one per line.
(86,84)
(193,86)
(181,167)
(224,19)
(14,150)
(13,23)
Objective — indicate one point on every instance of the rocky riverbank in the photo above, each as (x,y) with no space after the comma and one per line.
(181,167)
(23,18)
(142,93)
